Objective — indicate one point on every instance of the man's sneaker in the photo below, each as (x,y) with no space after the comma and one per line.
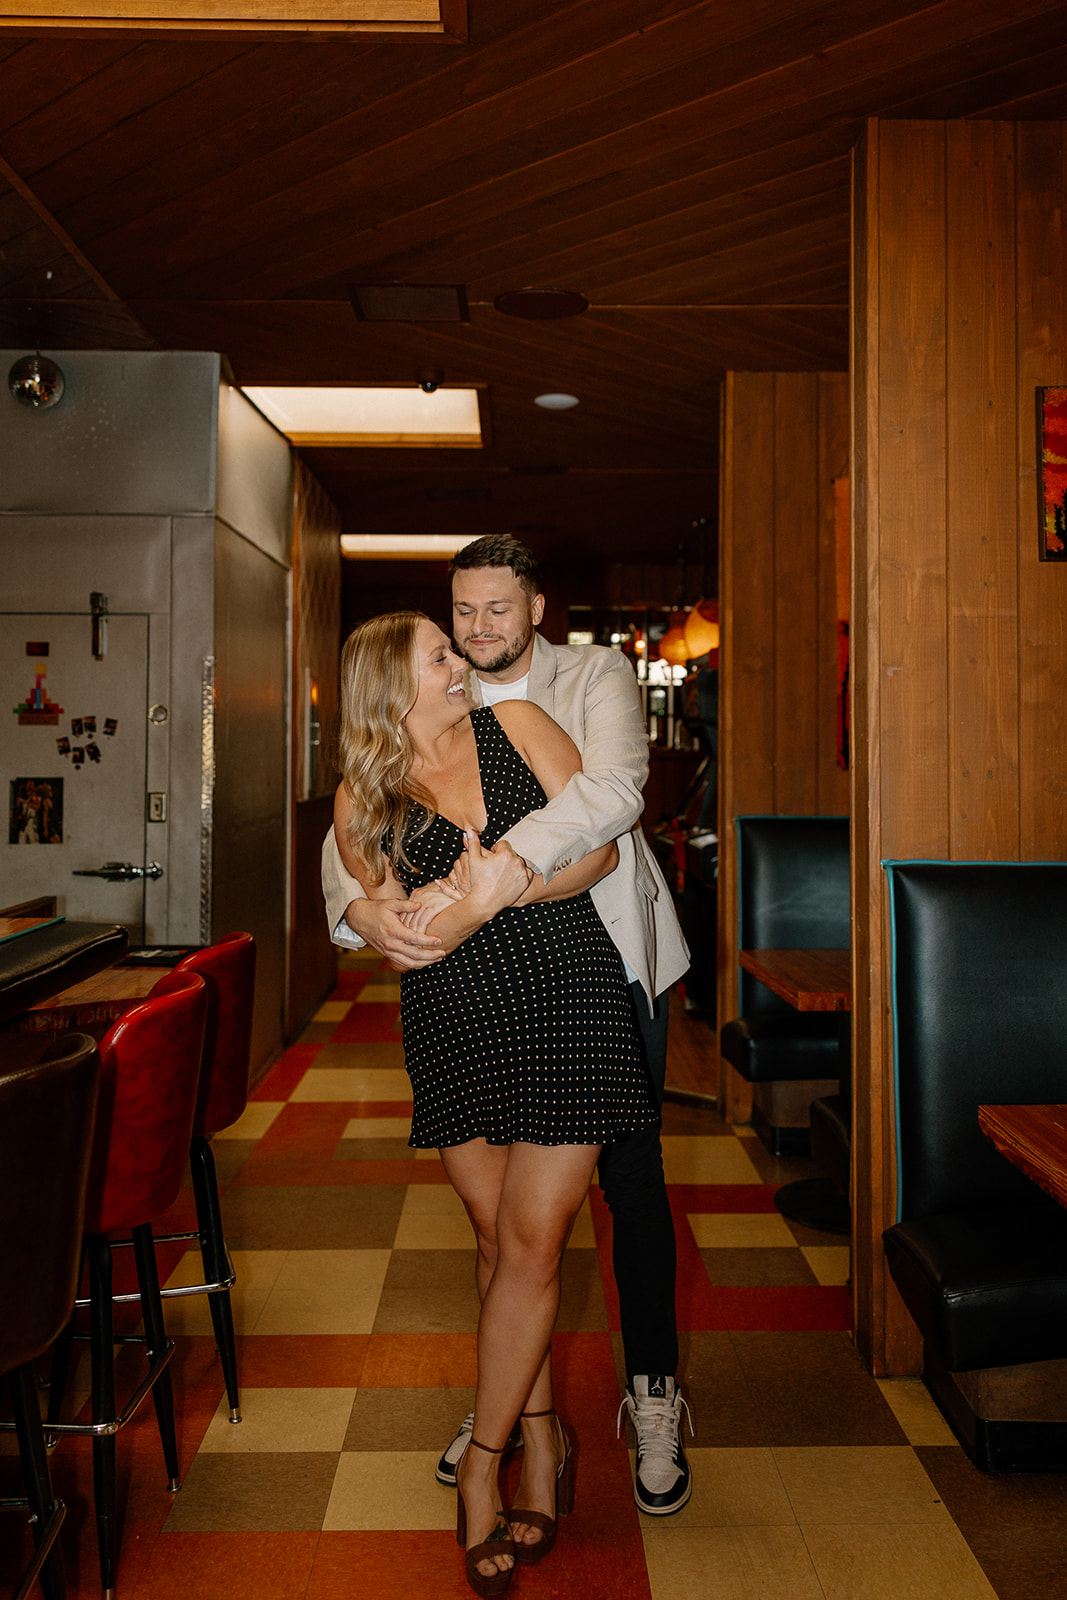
(663,1482)
(445,1471)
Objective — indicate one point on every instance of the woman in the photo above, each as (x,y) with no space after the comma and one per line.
(521,1044)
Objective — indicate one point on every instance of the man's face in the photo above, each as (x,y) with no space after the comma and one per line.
(493,621)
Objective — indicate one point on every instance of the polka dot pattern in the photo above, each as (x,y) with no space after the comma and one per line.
(527,1030)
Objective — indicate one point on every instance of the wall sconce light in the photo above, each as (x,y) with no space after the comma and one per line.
(36,382)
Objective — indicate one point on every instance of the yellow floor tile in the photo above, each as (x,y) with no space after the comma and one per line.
(741,1231)
(730,1564)
(281,1419)
(691,1160)
(378,1490)
(931,1563)
(332,1011)
(257,1272)
(255,1119)
(351,1083)
(735,1488)
(831,1263)
(377,1128)
(325,1291)
(433,1218)
(911,1404)
(379,990)
(859,1484)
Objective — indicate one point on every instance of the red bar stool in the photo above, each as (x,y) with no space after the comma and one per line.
(229,970)
(150,1069)
(47,1112)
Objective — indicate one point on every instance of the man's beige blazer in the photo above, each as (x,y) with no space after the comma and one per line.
(592,693)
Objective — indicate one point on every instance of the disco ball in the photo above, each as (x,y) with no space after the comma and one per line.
(36,382)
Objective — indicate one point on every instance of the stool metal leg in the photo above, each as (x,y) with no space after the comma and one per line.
(157,1342)
(103,1405)
(216,1263)
(46,1510)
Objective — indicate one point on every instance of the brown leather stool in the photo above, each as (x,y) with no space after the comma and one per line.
(47,1115)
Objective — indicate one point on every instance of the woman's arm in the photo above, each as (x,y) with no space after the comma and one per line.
(497,878)
(553,758)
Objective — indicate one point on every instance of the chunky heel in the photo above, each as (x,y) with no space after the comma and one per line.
(499,1542)
(530,1554)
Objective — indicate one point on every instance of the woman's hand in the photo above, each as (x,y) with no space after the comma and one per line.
(425,904)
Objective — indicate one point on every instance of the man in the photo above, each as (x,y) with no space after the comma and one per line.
(592,693)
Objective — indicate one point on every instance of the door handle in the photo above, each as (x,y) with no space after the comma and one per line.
(120,871)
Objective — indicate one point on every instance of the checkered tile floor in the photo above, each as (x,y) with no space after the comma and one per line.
(356,1313)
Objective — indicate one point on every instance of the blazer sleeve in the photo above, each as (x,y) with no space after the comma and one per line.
(339,889)
(602,713)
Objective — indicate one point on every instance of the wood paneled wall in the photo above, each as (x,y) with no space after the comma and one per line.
(784,442)
(959,631)
(316,564)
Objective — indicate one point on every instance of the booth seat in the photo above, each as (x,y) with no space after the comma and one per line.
(793,893)
(978,1252)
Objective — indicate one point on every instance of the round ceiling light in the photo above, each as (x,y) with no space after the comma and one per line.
(556,402)
(541,305)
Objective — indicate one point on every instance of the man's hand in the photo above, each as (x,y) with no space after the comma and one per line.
(380,923)
(498,877)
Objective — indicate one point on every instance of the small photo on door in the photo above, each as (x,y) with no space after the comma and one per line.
(36,811)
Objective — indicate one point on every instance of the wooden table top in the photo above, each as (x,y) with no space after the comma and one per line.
(12,927)
(811,980)
(92,1005)
(1034,1138)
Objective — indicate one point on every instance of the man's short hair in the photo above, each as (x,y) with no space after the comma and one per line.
(500,550)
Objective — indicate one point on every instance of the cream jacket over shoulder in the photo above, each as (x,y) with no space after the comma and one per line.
(592,693)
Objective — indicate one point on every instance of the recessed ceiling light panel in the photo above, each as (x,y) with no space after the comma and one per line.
(384,418)
(403,546)
(556,402)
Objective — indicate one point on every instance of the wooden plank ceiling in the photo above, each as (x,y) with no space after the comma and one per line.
(684,166)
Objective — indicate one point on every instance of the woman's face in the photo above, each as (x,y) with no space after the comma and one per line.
(440,671)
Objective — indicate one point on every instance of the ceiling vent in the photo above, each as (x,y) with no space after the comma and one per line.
(409,302)
(541,305)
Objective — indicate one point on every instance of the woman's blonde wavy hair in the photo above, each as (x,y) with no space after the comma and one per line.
(379,685)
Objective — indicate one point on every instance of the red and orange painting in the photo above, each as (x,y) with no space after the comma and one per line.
(1052,424)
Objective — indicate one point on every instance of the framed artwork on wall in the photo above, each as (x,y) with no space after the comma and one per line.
(1052,472)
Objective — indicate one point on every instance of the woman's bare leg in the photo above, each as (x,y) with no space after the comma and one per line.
(522,1207)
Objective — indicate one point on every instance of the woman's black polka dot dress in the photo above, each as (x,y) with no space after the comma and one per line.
(527,1030)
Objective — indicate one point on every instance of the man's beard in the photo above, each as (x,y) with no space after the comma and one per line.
(507,657)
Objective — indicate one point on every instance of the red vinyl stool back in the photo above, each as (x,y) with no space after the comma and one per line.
(149,1074)
(229,970)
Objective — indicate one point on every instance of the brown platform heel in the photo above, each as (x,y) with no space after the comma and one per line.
(499,1542)
(530,1554)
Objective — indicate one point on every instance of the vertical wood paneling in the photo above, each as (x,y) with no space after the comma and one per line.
(316,565)
(867,1260)
(959,633)
(784,441)
(796,589)
(983,766)
(911,686)
(1042,360)
(831,463)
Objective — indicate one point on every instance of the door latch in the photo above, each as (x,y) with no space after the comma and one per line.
(120,871)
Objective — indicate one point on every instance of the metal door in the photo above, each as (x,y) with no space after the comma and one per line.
(73,764)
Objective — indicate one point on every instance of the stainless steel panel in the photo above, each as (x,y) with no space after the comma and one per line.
(135,432)
(255,476)
(55,563)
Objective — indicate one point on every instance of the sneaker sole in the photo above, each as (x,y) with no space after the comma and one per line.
(663,1511)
